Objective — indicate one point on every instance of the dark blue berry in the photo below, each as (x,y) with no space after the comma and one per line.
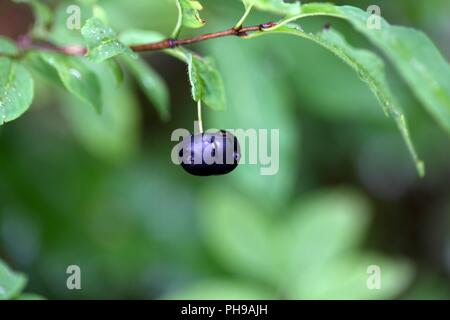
(209,154)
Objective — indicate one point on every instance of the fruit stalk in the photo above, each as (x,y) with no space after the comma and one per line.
(199,114)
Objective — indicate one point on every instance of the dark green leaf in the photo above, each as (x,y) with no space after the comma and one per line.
(152,84)
(415,56)
(16,90)
(116,70)
(370,69)
(76,77)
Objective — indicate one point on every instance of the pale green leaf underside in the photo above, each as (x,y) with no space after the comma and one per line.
(349,276)
(206,81)
(336,222)
(132,37)
(344,213)
(333,222)
(102,41)
(11,283)
(274,6)
(152,84)
(76,77)
(16,90)
(190,14)
(219,289)
(370,69)
(415,56)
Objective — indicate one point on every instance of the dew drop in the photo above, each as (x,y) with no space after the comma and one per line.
(75,73)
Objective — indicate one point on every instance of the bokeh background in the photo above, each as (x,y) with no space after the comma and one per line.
(101,192)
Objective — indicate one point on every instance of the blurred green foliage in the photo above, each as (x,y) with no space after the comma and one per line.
(98,189)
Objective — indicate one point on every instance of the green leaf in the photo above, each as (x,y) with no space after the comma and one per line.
(215,289)
(334,222)
(16,90)
(152,84)
(239,235)
(11,283)
(100,13)
(30,296)
(102,41)
(43,17)
(112,134)
(414,55)
(274,6)
(320,243)
(76,77)
(370,69)
(34,62)
(116,70)
(190,15)
(347,278)
(206,81)
(7,47)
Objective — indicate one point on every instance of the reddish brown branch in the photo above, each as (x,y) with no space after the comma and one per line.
(171,43)
(27,43)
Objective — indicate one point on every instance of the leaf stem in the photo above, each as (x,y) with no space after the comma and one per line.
(177,30)
(242,20)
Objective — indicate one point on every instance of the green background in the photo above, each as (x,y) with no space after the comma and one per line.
(101,192)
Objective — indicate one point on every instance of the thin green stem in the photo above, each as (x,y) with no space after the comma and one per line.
(301,16)
(176,31)
(199,114)
(242,20)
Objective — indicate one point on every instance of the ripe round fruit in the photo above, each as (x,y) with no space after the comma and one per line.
(209,154)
